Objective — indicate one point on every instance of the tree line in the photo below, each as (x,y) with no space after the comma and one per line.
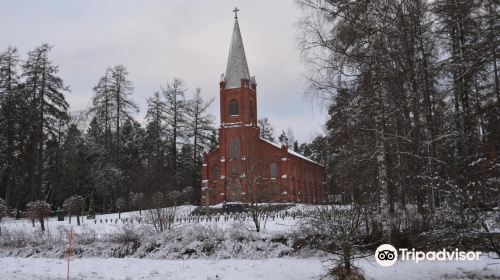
(103,155)
(414,102)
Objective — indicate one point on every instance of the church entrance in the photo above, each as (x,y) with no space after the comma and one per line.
(234,189)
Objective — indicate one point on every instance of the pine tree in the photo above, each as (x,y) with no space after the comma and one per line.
(112,105)
(199,127)
(103,107)
(266,129)
(121,89)
(48,106)
(132,157)
(175,112)
(155,143)
(283,138)
(9,113)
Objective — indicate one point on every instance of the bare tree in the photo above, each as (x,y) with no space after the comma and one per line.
(337,231)
(251,176)
(162,213)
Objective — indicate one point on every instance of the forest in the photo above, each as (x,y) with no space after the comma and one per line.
(411,149)
(103,154)
(414,100)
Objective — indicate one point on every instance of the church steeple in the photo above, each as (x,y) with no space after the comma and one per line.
(237,67)
(238,91)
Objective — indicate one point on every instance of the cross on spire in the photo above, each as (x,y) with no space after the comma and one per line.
(235,11)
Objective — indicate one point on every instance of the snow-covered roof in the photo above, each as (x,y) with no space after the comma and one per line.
(272,143)
(237,67)
(292,152)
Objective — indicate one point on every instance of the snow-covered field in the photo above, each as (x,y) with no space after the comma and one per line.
(108,224)
(219,249)
(234,269)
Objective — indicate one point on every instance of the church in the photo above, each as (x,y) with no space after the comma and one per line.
(245,167)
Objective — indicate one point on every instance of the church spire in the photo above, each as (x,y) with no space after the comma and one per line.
(237,67)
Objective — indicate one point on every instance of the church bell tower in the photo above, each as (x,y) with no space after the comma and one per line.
(238,91)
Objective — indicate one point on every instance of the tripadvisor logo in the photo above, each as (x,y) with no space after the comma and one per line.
(387,255)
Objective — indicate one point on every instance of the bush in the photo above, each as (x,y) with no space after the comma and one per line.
(127,235)
(38,210)
(337,231)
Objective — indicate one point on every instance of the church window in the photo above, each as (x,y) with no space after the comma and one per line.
(234,107)
(275,189)
(234,148)
(274,170)
(252,112)
(216,173)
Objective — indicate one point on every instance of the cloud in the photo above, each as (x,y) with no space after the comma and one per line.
(159,40)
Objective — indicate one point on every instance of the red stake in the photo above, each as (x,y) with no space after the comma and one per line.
(69,248)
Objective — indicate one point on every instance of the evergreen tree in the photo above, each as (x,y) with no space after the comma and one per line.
(266,129)
(175,112)
(45,91)
(283,138)
(10,98)
(155,144)
(199,127)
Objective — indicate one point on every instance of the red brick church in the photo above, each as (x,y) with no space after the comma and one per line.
(245,167)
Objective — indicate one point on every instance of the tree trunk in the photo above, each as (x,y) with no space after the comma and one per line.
(41,136)
(42,223)
(386,215)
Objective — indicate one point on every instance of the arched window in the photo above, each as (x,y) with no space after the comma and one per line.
(251,110)
(234,107)
(274,170)
(216,173)
(234,148)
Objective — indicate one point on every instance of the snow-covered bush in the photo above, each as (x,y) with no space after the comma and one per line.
(87,236)
(126,235)
(38,210)
(336,231)
(73,205)
(161,217)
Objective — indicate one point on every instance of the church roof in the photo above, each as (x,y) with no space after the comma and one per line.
(292,152)
(237,67)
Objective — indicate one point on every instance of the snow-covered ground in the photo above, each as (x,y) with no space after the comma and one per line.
(275,269)
(103,224)
(109,223)
(220,249)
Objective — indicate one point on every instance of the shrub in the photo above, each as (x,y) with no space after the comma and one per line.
(73,205)
(38,210)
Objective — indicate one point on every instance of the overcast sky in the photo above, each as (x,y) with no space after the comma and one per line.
(159,40)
